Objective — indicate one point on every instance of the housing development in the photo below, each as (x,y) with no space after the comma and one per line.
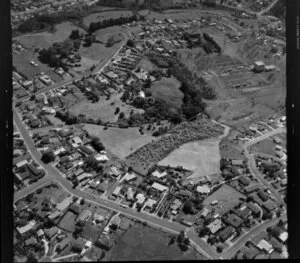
(149,130)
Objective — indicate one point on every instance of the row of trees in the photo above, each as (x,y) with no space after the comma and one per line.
(94,26)
(209,48)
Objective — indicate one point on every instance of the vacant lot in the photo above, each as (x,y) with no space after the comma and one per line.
(266,146)
(120,142)
(202,157)
(46,39)
(145,243)
(227,196)
(168,89)
(103,109)
(105,15)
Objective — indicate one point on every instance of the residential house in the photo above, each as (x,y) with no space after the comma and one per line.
(114,171)
(159,175)
(237,162)
(244,212)
(234,220)
(64,133)
(40,233)
(63,244)
(75,208)
(269,206)
(27,227)
(128,177)
(283,236)
(150,203)
(251,188)
(244,180)
(31,241)
(84,215)
(129,194)
(115,221)
(54,215)
(85,150)
(84,176)
(64,204)
(140,198)
(265,246)
(35,171)
(262,195)
(52,232)
(215,226)
(159,187)
(117,190)
(203,189)
(226,233)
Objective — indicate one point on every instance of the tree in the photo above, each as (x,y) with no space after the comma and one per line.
(48,157)
(219,249)
(97,144)
(130,43)
(172,241)
(74,34)
(82,201)
(31,258)
(121,115)
(117,110)
(188,208)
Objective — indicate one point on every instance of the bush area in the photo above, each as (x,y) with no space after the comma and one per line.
(94,26)
(155,151)
(193,87)
(45,21)
(278,10)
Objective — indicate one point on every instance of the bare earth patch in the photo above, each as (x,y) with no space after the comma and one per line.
(202,157)
(120,142)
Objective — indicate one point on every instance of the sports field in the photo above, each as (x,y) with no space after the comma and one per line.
(145,243)
(201,157)
(120,142)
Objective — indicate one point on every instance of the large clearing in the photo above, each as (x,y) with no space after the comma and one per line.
(46,39)
(227,196)
(202,157)
(103,109)
(120,142)
(168,90)
(145,243)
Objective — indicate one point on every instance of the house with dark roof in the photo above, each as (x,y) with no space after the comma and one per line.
(85,150)
(233,220)
(226,233)
(244,180)
(24,175)
(276,244)
(262,195)
(35,171)
(63,133)
(63,244)
(251,188)
(52,232)
(75,208)
(21,158)
(243,213)
(269,206)
(250,253)
(256,210)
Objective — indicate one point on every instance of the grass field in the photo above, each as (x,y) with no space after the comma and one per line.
(202,157)
(46,39)
(120,142)
(145,243)
(146,65)
(103,109)
(105,15)
(266,146)
(168,90)
(226,195)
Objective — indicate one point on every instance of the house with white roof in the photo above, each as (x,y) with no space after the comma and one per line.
(265,246)
(27,227)
(157,174)
(140,198)
(159,187)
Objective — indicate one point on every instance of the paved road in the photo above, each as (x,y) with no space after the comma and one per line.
(252,164)
(54,175)
(229,253)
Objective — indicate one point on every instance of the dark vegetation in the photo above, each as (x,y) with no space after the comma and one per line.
(278,10)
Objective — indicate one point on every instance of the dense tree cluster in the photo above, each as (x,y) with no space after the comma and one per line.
(41,22)
(66,117)
(94,26)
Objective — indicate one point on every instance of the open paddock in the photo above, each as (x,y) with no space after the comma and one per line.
(227,196)
(46,39)
(266,146)
(120,142)
(134,246)
(103,109)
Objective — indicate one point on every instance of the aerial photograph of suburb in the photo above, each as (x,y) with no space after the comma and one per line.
(148,130)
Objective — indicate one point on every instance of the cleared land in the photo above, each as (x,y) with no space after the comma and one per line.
(266,146)
(202,157)
(145,243)
(120,142)
(227,196)
(103,109)
(150,154)
(46,39)
(168,89)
